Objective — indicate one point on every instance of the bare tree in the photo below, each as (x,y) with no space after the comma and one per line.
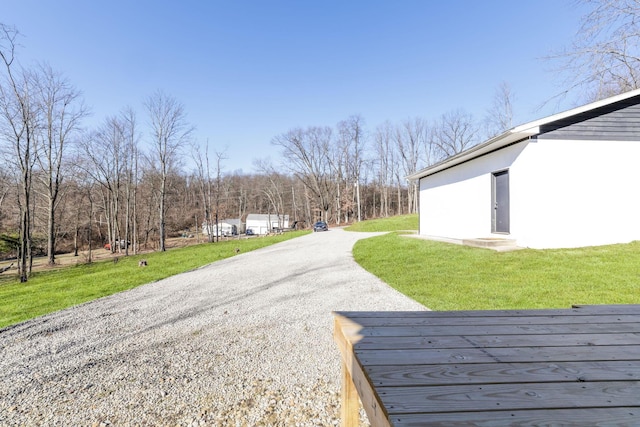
(220,156)
(339,166)
(19,127)
(604,58)
(385,152)
(210,197)
(62,111)
(306,155)
(5,184)
(240,188)
(275,190)
(352,141)
(131,153)
(453,133)
(205,186)
(79,189)
(410,138)
(499,118)
(105,154)
(170,132)
(147,213)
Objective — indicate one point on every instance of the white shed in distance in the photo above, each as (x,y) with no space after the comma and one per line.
(266,223)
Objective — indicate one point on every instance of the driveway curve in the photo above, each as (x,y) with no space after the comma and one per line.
(246,341)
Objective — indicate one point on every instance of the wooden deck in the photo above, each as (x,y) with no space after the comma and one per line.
(577,367)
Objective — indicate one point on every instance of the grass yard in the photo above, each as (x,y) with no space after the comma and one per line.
(445,276)
(49,291)
(395,223)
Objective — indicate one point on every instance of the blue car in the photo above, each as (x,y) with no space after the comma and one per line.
(320,226)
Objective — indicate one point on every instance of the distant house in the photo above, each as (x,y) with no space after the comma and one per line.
(237,222)
(567,180)
(266,223)
(226,227)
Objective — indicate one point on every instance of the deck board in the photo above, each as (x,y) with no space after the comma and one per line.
(498,355)
(503,329)
(497,373)
(409,400)
(463,341)
(557,319)
(604,417)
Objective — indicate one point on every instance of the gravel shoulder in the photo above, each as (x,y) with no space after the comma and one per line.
(246,341)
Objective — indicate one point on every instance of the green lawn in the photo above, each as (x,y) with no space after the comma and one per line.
(49,291)
(445,276)
(395,223)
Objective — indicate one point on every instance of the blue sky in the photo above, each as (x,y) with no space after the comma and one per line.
(247,71)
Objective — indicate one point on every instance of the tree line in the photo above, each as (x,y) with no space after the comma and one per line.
(353,172)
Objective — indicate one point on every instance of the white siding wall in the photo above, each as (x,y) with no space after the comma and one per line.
(261,226)
(577,193)
(562,194)
(456,203)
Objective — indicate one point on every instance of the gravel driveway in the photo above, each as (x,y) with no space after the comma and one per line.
(242,342)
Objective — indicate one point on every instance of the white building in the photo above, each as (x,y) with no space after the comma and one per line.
(224,228)
(568,180)
(266,223)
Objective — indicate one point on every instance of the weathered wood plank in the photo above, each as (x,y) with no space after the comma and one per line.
(596,417)
(497,355)
(575,310)
(470,330)
(487,397)
(350,404)
(454,314)
(496,320)
(501,373)
(376,412)
(563,340)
